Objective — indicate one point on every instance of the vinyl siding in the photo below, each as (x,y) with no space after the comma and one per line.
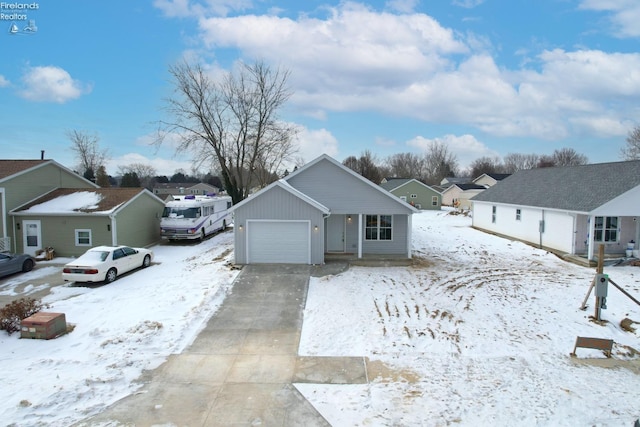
(343,193)
(398,244)
(278,204)
(138,223)
(424,195)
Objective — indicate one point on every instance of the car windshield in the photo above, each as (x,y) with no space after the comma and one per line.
(174,212)
(94,256)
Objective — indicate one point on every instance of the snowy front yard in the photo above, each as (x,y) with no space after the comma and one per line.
(477,332)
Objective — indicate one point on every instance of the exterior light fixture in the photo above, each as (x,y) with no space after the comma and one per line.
(315,228)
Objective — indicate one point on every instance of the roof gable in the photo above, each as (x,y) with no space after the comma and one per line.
(325,169)
(286,187)
(9,168)
(572,188)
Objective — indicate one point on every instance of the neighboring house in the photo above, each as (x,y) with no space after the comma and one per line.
(570,210)
(323,207)
(458,195)
(72,220)
(413,192)
(489,179)
(22,181)
(450,180)
(169,189)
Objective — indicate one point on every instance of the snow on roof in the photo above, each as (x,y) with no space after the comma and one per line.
(74,202)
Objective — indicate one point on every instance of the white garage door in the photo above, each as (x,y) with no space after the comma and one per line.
(278,242)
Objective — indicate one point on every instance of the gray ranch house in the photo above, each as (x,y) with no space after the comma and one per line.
(570,210)
(413,192)
(321,208)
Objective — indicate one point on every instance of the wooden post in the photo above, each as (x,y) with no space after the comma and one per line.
(599,270)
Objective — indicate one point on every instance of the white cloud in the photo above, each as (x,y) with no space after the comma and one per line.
(408,65)
(466,148)
(625,15)
(51,84)
(3,81)
(313,143)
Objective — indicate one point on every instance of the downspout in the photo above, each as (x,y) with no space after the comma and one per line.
(590,245)
(409,239)
(114,232)
(359,235)
(4,213)
(541,228)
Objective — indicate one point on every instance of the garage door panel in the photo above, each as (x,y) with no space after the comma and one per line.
(278,242)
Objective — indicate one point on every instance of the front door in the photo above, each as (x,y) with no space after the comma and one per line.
(335,233)
(31,237)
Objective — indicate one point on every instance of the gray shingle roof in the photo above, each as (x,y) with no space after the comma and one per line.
(573,188)
(394,183)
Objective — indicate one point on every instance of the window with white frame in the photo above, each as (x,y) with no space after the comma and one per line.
(518,214)
(605,229)
(83,237)
(493,214)
(414,196)
(434,200)
(378,227)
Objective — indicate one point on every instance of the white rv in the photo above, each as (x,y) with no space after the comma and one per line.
(194,217)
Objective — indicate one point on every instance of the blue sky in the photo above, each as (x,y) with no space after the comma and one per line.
(486,77)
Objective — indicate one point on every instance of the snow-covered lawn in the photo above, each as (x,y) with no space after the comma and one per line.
(477,332)
(120,330)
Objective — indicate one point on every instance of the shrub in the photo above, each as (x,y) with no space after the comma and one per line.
(12,314)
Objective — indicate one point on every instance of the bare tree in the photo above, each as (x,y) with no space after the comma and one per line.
(569,157)
(439,163)
(145,173)
(632,150)
(406,165)
(232,122)
(485,165)
(514,162)
(87,150)
(546,161)
(366,166)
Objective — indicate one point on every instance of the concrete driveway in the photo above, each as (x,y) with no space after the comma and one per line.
(241,368)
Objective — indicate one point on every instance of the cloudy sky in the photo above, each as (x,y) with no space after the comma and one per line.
(486,77)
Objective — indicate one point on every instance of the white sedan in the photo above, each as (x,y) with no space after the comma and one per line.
(105,263)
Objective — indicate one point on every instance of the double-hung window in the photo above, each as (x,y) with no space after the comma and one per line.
(83,237)
(378,227)
(605,229)
(518,214)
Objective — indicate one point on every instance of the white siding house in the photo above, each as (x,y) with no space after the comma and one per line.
(566,209)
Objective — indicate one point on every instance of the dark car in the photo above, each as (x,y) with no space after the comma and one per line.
(15,263)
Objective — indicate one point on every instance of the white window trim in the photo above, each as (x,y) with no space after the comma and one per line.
(604,229)
(77,237)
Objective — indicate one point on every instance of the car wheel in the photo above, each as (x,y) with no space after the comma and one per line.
(146,262)
(111,275)
(27,265)
(202,234)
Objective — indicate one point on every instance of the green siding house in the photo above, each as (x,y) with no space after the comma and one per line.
(45,205)
(24,180)
(413,192)
(74,220)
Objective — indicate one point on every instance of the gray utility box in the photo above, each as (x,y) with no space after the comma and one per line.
(602,283)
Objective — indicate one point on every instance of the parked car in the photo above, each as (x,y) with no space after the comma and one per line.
(106,263)
(15,263)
